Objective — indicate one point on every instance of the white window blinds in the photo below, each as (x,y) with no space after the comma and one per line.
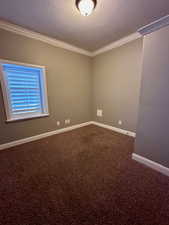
(25,91)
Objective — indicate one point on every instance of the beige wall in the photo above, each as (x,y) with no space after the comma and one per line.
(152,140)
(68,82)
(77,85)
(116,85)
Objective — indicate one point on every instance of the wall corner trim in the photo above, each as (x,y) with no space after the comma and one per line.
(118,130)
(149,163)
(118,43)
(37,36)
(43,135)
(156,25)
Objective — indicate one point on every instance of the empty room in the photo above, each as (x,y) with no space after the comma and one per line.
(84,112)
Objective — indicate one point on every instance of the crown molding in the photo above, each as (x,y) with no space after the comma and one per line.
(162,22)
(155,25)
(118,43)
(60,44)
(35,35)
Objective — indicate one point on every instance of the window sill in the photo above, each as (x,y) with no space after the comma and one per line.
(27,118)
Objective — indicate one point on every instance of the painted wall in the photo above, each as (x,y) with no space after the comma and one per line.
(152,139)
(116,85)
(68,82)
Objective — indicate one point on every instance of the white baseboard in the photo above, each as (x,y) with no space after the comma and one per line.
(62,130)
(129,133)
(156,166)
(40,136)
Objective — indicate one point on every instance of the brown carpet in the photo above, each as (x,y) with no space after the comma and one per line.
(82,177)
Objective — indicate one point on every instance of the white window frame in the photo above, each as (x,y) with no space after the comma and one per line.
(6,98)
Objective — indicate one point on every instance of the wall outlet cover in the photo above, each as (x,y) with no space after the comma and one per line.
(120,122)
(68,121)
(99,112)
(58,123)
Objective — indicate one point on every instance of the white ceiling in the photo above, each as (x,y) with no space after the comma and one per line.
(111,20)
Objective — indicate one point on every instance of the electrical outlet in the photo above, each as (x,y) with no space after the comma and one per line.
(99,112)
(120,122)
(58,123)
(67,121)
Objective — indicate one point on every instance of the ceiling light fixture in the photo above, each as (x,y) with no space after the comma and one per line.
(86,7)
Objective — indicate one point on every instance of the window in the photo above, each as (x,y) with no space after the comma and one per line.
(24,90)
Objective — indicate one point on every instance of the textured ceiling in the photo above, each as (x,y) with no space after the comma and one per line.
(111,20)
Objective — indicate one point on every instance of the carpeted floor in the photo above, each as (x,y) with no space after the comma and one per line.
(82,177)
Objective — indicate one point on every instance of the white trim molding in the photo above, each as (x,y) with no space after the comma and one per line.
(156,25)
(118,130)
(164,21)
(62,130)
(40,136)
(60,44)
(149,163)
(6,95)
(118,43)
(35,35)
